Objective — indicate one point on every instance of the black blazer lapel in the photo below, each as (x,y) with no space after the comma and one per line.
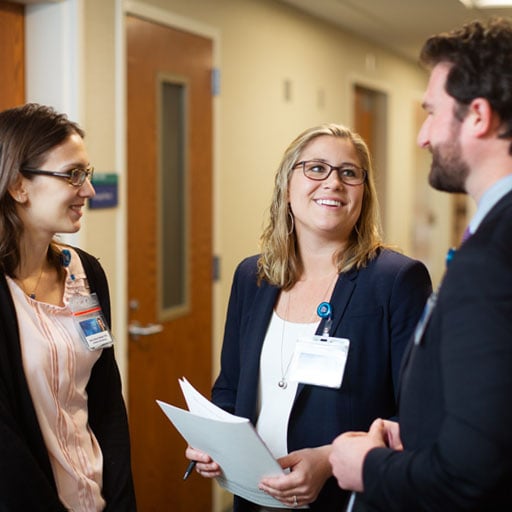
(256,329)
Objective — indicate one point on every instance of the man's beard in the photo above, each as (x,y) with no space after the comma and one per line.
(448,171)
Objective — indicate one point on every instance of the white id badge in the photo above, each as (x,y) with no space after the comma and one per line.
(319,361)
(90,322)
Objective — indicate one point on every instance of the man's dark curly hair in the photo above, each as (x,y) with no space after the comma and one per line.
(481,54)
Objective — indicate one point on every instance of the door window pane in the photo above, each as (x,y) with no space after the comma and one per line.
(173,200)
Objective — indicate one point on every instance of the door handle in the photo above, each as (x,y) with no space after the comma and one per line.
(136,330)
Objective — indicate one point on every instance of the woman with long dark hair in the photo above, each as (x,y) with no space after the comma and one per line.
(64,442)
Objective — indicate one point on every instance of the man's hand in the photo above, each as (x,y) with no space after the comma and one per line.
(349,451)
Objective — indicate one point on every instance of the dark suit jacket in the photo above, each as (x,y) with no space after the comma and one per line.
(376,308)
(456,394)
(26,477)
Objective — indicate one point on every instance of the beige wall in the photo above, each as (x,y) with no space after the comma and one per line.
(260,45)
(102,107)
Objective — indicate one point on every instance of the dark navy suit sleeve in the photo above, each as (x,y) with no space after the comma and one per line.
(455,414)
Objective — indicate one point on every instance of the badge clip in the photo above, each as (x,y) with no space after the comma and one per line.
(324,310)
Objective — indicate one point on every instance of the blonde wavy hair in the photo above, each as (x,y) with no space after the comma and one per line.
(280,261)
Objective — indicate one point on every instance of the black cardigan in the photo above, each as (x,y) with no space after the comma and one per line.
(26,477)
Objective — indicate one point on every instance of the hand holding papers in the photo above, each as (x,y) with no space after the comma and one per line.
(230,440)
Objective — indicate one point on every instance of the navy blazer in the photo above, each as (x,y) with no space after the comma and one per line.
(455,401)
(376,308)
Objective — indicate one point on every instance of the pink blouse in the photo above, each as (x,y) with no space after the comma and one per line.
(57,366)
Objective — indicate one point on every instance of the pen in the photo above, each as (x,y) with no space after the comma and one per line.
(190,468)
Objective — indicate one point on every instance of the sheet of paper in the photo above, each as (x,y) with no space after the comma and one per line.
(200,405)
(230,440)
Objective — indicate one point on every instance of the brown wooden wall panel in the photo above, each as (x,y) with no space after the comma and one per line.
(12,54)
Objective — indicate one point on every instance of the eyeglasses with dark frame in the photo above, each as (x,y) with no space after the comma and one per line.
(75,177)
(318,170)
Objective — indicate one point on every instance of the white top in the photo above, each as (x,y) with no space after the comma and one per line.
(274,402)
(57,366)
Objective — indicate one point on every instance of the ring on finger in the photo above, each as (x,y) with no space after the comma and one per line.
(295,503)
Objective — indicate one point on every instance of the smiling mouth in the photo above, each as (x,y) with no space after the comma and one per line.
(328,202)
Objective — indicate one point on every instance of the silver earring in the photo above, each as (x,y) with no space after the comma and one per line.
(292,222)
(358,234)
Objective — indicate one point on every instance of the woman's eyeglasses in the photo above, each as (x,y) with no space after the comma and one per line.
(75,177)
(319,171)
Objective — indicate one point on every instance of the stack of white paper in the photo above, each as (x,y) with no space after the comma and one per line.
(230,440)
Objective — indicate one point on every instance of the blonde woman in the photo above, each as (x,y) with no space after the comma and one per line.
(323,270)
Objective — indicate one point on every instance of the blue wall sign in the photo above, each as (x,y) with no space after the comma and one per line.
(105,185)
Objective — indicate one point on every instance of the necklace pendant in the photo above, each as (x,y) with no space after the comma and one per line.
(282,384)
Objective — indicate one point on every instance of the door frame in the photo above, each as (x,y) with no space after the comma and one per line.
(170,19)
(173,20)
(384,156)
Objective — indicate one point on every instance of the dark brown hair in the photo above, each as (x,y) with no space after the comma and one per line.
(481,58)
(27,134)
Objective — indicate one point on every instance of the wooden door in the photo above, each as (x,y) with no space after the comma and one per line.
(169,251)
(12,55)
(370,112)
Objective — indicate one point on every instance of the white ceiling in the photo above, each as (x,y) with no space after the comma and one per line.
(34,1)
(399,25)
